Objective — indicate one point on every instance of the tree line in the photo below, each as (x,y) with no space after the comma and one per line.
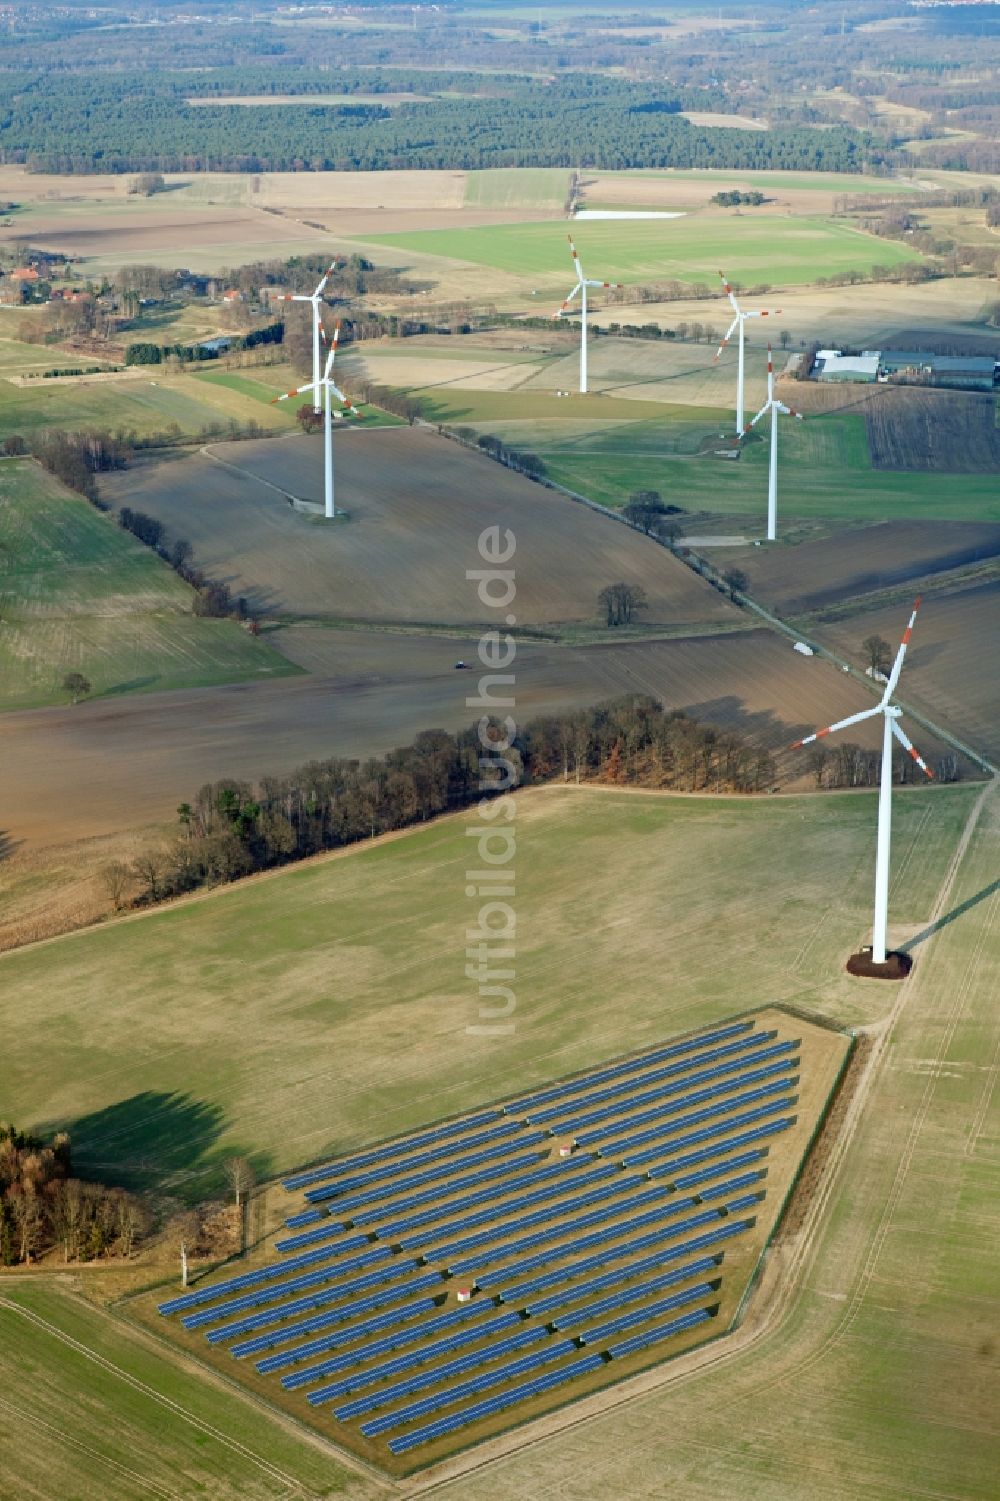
(43,1207)
(232,828)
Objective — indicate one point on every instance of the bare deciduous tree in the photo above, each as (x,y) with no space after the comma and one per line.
(115,878)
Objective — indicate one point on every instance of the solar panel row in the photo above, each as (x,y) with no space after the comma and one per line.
(555,1170)
(601,1332)
(316,1237)
(391,1149)
(464,1314)
(438,1153)
(304,1217)
(731,1185)
(544,1195)
(733,1123)
(249,1279)
(735,1054)
(576,1125)
(458,1367)
(497,1403)
(665,1331)
(672,1125)
(552,1304)
(554,1350)
(375,1213)
(706,1174)
(564,1321)
(621,1186)
(285,1332)
(514,1295)
(275,1291)
(632,1065)
(773,1128)
(441,1169)
(584,1243)
(419,1357)
(346,1335)
(390,1271)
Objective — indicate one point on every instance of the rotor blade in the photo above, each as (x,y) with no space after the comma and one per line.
(763,313)
(325,278)
(770,377)
(730,294)
(909,748)
(568,300)
(577,263)
(299,391)
(753,422)
(840,725)
(345,399)
(614,285)
(897,666)
(333,350)
(788,411)
(729,334)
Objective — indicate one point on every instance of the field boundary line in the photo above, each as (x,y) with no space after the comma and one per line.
(29,1418)
(272,1470)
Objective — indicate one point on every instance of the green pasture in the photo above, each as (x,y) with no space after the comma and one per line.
(517,187)
(327,1006)
(778,251)
(78,594)
(111,1415)
(792,182)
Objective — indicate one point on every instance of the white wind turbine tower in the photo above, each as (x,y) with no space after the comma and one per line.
(329,388)
(319,337)
(738,323)
(775,407)
(890,715)
(582,283)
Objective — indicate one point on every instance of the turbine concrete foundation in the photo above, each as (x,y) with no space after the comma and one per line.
(896,967)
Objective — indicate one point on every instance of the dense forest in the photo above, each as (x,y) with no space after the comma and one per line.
(141,122)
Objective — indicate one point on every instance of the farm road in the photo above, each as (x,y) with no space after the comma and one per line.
(111,765)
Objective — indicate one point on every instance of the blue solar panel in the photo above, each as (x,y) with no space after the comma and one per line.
(665,1331)
(274,1292)
(315,1237)
(736,1057)
(390,1149)
(576,1316)
(345,1335)
(610,1232)
(673,1125)
(731,1185)
(515,1295)
(546,1194)
(637,1159)
(355,1380)
(706,1174)
(390,1271)
(622,1185)
(614,1112)
(286,1332)
(553,1350)
(743,1202)
(632,1065)
(497,1403)
(552,1304)
(441,1169)
(438,1154)
(376,1212)
(457,1367)
(248,1279)
(771,1129)
(601,1332)
(463,1315)
(305,1217)
(490,1194)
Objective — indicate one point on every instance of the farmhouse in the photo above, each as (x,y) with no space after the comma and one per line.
(831,365)
(918,366)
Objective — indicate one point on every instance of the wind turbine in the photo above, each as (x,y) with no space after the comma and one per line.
(582,283)
(774,406)
(737,323)
(890,714)
(328,388)
(319,337)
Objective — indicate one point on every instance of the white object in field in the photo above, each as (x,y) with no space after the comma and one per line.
(628,213)
(319,337)
(465,1294)
(566,1149)
(582,283)
(775,407)
(807,651)
(328,387)
(874,672)
(890,714)
(738,323)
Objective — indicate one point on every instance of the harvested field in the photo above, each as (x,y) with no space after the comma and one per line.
(859,560)
(952,669)
(647,1230)
(796,192)
(416,506)
(138,758)
(949,431)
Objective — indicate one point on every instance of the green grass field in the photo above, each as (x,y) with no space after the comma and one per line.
(91,1410)
(793,182)
(778,251)
(517,187)
(78,594)
(327,1006)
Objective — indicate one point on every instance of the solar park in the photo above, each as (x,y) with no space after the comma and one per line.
(429,1292)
